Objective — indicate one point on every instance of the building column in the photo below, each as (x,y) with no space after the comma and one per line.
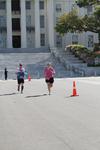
(37,24)
(9,24)
(50,9)
(23,24)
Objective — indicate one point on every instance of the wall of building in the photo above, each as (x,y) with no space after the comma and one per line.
(87,39)
(3,28)
(59,7)
(30,19)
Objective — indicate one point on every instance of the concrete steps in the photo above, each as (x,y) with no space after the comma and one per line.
(73,63)
(34,64)
(25,50)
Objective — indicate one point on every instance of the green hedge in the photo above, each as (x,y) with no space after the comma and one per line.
(79,49)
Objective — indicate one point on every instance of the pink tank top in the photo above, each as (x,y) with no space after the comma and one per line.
(49,72)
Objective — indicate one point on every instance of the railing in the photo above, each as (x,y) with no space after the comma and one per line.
(57,54)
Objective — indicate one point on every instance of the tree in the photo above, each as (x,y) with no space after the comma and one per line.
(91,22)
(83,3)
(71,22)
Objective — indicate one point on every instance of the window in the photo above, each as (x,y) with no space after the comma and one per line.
(2,21)
(74,39)
(89,9)
(42,21)
(28,20)
(58,41)
(28,5)
(15,4)
(16,40)
(58,7)
(16,24)
(2,5)
(57,19)
(41,4)
(90,41)
(42,36)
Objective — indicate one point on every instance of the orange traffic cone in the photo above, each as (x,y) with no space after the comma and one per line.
(29,77)
(74,90)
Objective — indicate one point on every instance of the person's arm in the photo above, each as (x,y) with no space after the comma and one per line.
(53,71)
(16,71)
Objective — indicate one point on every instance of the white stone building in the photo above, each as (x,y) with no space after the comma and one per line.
(30,24)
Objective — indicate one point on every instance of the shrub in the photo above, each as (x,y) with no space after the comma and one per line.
(77,49)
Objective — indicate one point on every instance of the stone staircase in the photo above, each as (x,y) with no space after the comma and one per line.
(25,50)
(34,61)
(73,63)
(34,64)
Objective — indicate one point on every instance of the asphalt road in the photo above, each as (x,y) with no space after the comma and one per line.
(36,121)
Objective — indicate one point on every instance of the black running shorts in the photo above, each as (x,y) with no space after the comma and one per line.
(20,81)
(51,80)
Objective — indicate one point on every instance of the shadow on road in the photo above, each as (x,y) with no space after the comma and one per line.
(36,95)
(68,96)
(8,94)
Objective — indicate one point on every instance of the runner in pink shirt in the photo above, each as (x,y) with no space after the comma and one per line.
(49,73)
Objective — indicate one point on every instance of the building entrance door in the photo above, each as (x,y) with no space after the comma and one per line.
(16,42)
